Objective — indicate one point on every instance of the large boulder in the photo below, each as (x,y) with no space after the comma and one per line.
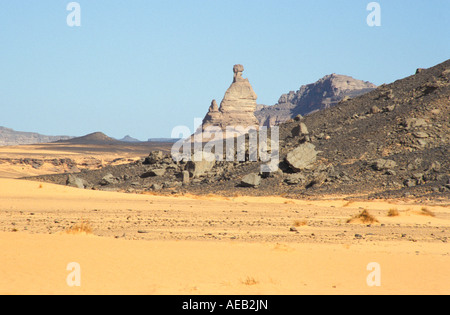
(108,179)
(302,157)
(382,165)
(300,130)
(251,180)
(77,182)
(153,173)
(154,157)
(200,164)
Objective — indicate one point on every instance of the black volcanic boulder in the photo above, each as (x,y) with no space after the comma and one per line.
(153,173)
(154,157)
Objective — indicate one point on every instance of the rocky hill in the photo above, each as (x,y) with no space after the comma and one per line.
(128,138)
(325,93)
(391,142)
(97,138)
(11,137)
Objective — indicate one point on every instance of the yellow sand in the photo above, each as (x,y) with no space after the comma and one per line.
(35,263)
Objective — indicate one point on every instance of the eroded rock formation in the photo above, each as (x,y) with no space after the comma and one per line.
(237,107)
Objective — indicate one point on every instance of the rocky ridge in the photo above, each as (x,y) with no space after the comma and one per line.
(325,93)
(390,142)
(11,137)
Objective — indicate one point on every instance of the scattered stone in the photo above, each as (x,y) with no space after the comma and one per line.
(409,182)
(422,142)
(346,98)
(251,180)
(295,179)
(108,179)
(375,110)
(381,165)
(185,177)
(435,166)
(300,130)
(419,70)
(156,187)
(415,122)
(153,173)
(420,135)
(154,157)
(390,108)
(391,172)
(318,179)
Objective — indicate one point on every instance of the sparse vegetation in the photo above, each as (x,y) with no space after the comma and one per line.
(298,223)
(393,213)
(364,217)
(84,227)
(426,211)
(250,281)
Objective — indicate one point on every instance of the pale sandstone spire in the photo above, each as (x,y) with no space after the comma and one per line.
(237,107)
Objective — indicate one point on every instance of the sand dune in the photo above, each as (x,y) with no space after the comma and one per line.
(147,244)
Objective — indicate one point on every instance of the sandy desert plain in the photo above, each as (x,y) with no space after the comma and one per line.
(128,243)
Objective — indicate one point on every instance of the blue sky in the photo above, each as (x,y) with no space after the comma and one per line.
(142,67)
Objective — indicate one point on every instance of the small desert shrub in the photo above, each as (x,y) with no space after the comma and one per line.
(300,223)
(83,227)
(364,217)
(393,212)
(250,281)
(425,211)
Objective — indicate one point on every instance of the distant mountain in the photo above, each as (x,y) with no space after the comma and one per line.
(128,138)
(164,140)
(11,137)
(93,138)
(326,92)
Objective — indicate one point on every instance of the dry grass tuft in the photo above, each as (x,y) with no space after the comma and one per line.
(250,281)
(364,217)
(426,211)
(84,227)
(298,223)
(393,213)
(348,203)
